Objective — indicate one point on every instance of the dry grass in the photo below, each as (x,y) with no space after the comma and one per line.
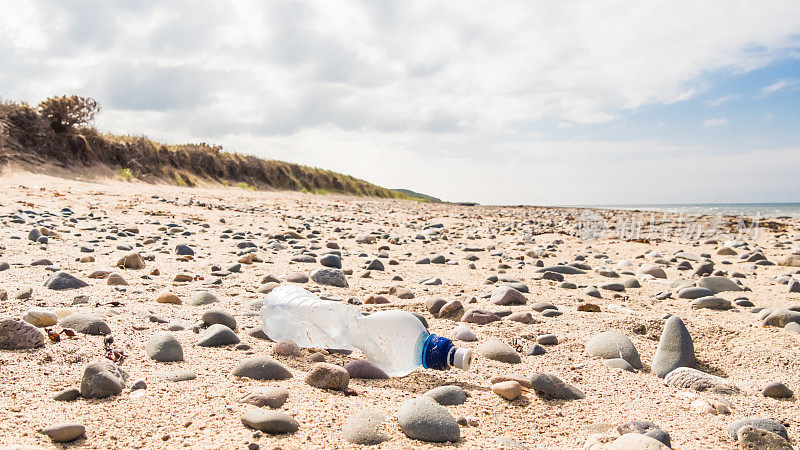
(26,138)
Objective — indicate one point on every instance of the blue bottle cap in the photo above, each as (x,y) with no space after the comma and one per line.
(435,352)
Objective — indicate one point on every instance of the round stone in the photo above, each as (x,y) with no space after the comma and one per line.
(271,397)
(270,422)
(261,368)
(612,344)
(40,317)
(365,427)
(509,390)
(360,368)
(64,432)
(214,316)
(499,351)
(163,346)
(328,376)
(448,395)
(425,420)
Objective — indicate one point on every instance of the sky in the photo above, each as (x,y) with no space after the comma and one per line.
(515,102)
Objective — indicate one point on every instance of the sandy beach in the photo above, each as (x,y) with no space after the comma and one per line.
(482,247)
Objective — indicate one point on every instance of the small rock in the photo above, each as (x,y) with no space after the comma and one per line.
(131,261)
(612,344)
(270,422)
(773,426)
(776,389)
(499,351)
(218,335)
(271,397)
(261,368)
(102,379)
(360,368)
(752,438)
(463,333)
(505,295)
(16,334)
(163,346)
(425,420)
(40,317)
(214,316)
(447,395)
(62,280)
(365,428)
(329,277)
(547,339)
(64,432)
(285,347)
(328,376)
(551,386)
(200,298)
(86,324)
(509,390)
(67,395)
(675,348)
(168,297)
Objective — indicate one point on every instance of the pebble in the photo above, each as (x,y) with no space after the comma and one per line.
(271,397)
(200,298)
(328,376)
(163,346)
(547,339)
(214,316)
(464,333)
(86,324)
(689,378)
(780,317)
(365,427)
(635,441)
(425,420)
(16,334)
(61,280)
(360,368)
(270,422)
(218,335)
(102,379)
(675,348)
(261,368)
(776,389)
(715,303)
(479,316)
(752,438)
(329,277)
(611,345)
(448,395)
(618,363)
(717,284)
(505,295)
(550,386)
(131,261)
(67,395)
(773,426)
(64,432)
(509,390)
(40,317)
(285,347)
(168,297)
(499,351)
(535,350)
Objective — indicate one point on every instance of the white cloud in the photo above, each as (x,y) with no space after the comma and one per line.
(412,78)
(779,85)
(715,122)
(719,101)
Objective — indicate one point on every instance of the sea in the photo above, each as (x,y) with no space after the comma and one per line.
(771,210)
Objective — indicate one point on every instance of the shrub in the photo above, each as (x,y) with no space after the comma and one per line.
(126,173)
(65,112)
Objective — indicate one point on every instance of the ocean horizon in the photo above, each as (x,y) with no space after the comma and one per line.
(772,210)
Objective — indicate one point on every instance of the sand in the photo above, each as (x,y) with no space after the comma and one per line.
(205,413)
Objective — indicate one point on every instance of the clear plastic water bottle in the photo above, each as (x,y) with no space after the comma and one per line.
(395,341)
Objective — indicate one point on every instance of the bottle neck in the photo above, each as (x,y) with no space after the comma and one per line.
(437,353)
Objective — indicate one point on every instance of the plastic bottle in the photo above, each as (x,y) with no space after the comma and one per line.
(395,341)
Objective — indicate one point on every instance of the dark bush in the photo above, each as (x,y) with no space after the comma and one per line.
(64,112)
